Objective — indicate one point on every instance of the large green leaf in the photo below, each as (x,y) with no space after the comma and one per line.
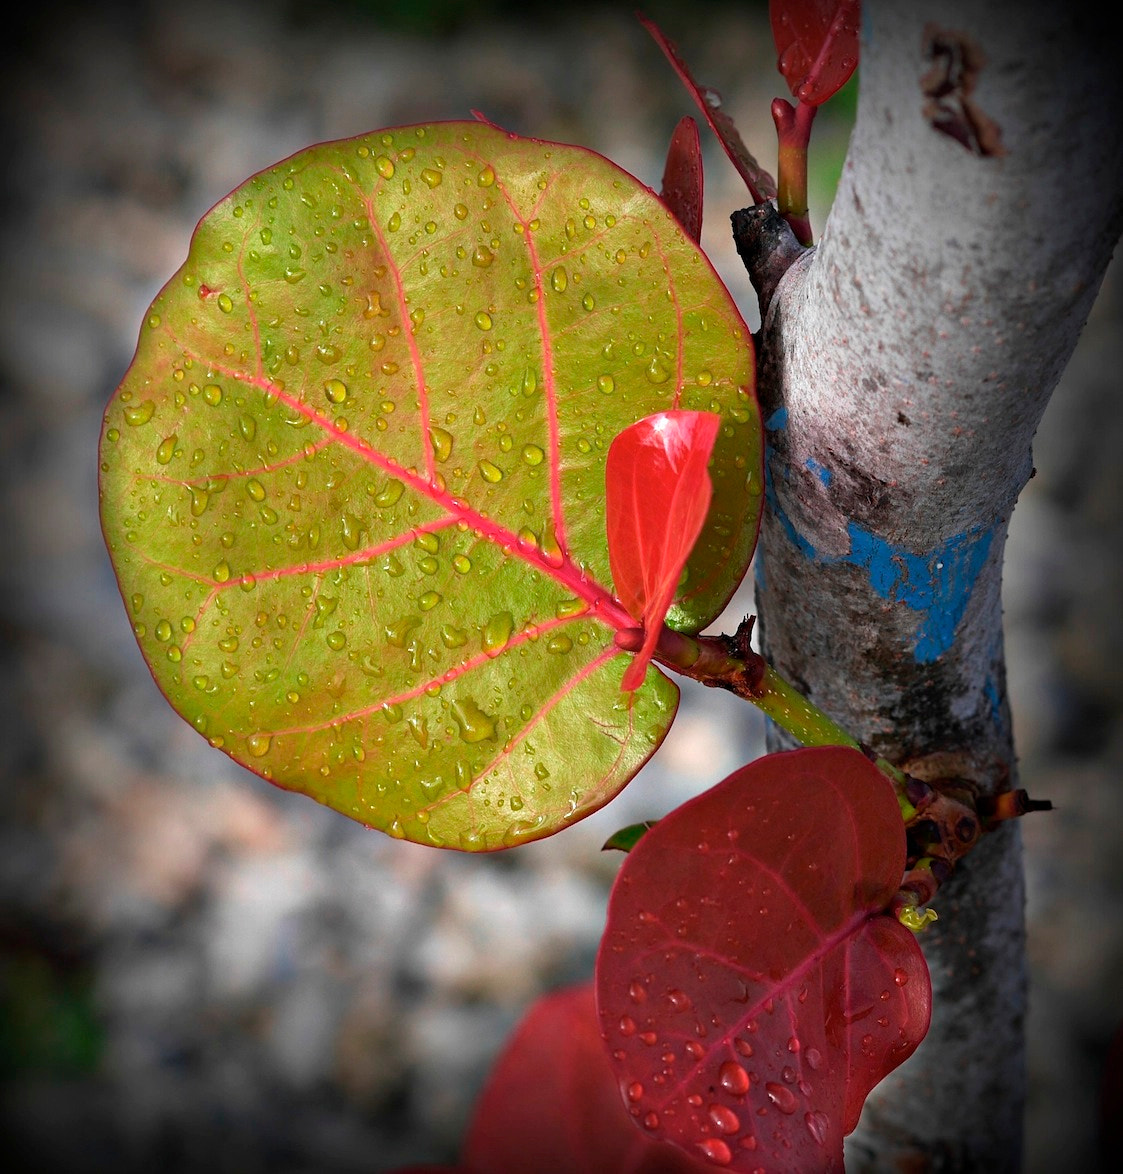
(352,483)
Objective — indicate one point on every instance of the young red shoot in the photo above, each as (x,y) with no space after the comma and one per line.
(682,178)
(657,495)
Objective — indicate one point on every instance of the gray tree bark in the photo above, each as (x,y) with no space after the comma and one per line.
(905,365)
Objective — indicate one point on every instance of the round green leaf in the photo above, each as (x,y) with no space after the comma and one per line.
(352,483)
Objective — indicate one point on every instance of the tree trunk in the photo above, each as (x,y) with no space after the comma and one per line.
(905,365)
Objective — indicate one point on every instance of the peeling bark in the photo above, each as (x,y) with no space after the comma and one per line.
(905,365)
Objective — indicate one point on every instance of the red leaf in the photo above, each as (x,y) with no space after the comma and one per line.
(817,44)
(682,178)
(749,988)
(552,1104)
(761,185)
(657,494)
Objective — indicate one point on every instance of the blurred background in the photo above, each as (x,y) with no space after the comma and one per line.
(200,971)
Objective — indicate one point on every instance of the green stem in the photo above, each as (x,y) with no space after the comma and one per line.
(729,662)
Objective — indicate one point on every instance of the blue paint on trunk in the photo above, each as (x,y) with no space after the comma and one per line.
(821,471)
(937,584)
(778,420)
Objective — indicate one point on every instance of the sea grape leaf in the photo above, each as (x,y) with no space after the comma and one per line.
(750,989)
(350,483)
(552,1102)
(816,44)
(657,495)
(683,180)
(761,185)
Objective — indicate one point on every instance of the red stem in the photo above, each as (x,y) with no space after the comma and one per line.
(793,133)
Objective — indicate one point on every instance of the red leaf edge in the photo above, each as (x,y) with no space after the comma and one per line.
(761,185)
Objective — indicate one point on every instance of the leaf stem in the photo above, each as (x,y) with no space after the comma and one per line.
(730,662)
(793,133)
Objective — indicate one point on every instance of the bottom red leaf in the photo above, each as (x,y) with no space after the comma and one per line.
(552,1104)
(750,989)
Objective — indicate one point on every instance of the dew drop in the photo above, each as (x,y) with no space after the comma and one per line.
(461,564)
(716,1151)
(389,494)
(651,1121)
(336,641)
(733,1078)
(384,167)
(588,302)
(137,414)
(442,443)
(460,211)
(900,977)
(818,1125)
(431,177)
(352,530)
(635,1091)
(559,644)
(429,600)
(166,449)
(559,279)
(627,1025)
(212,393)
(224,303)
(486,177)
(335,390)
(657,371)
(724,1118)
(814,1058)
(490,472)
(222,572)
(482,257)
(453,637)
(497,631)
(781,1096)
(606,384)
(473,723)
(163,631)
(679,1000)
(533,455)
(483,320)
(258,744)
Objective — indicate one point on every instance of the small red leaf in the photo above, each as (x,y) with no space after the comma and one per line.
(682,178)
(657,495)
(748,982)
(552,1103)
(761,185)
(817,44)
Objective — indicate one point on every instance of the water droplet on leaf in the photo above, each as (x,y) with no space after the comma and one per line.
(733,1078)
